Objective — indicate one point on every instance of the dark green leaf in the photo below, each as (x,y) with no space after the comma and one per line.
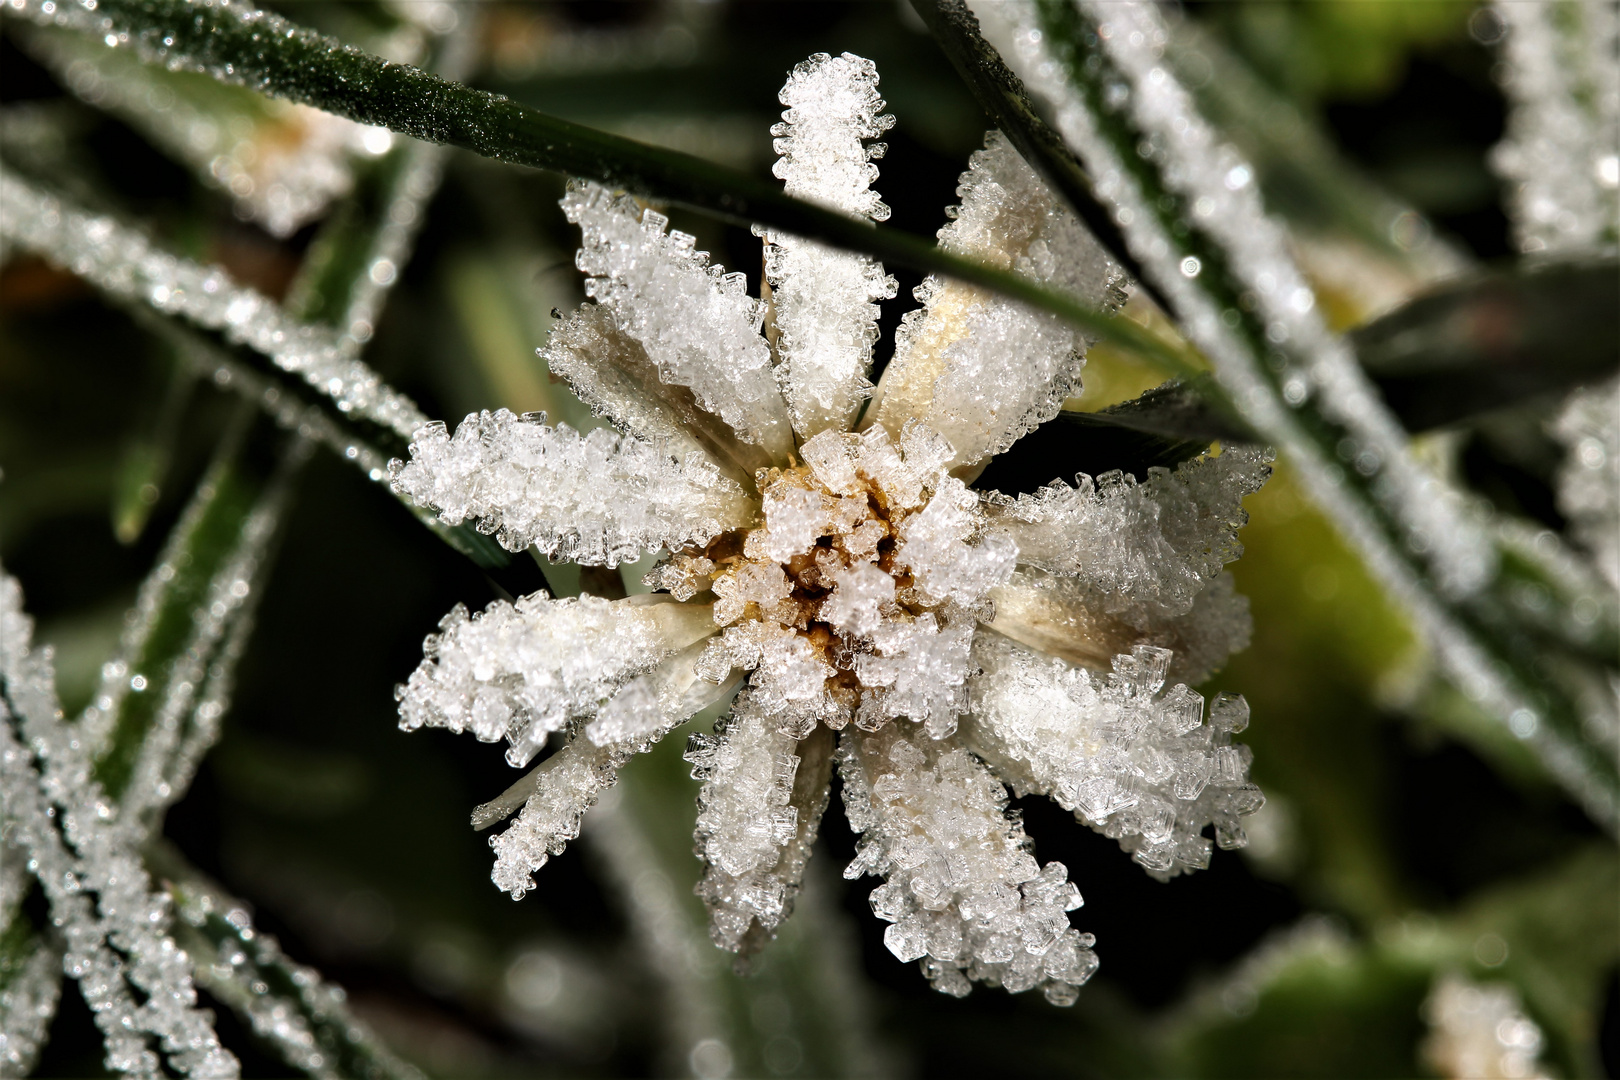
(1164,427)
(1495,340)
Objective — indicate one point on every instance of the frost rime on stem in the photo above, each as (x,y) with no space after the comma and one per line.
(823,301)
(1589,478)
(599,499)
(983,370)
(1562,150)
(123,263)
(82,847)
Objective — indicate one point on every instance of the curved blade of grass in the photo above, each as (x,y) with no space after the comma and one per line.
(147,457)
(237,44)
(182,613)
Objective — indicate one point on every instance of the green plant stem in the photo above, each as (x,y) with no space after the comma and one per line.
(267,53)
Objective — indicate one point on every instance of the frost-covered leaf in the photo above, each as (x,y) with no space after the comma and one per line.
(238,44)
(1191,214)
(289,1005)
(1589,478)
(282,164)
(136,981)
(123,263)
(1562,150)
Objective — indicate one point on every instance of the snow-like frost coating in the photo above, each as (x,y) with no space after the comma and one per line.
(598,499)
(522,671)
(1136,764)
(1146,549)
(758,811)
(824,301)
(696,322)
(963,892)
(980,369)
(1589,478)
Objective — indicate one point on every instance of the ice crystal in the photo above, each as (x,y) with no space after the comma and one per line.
(131,973)
(522,671)
(1136,764)
(980,369)
(599,499)
(963,893)
(1480,1032)
(1589,479)
(1562,150)
(849,577)
(1146,549)
(701,331)
(824,301)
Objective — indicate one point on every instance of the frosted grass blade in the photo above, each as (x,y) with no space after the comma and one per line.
(238,44)
(1190,212)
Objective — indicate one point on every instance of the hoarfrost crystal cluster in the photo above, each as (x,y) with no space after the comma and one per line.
(113,923)
(934,641)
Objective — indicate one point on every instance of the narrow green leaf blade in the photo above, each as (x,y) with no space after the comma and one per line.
(269,54)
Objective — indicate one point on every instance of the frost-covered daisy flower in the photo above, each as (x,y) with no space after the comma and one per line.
(830,567)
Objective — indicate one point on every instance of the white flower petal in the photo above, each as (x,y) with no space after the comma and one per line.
(963,892)
(1147,549)
(697,323)
(761,804)
(521,671)
(598,499)
(980,369)
(824,301)
(1135,764)
(609,371)
(1059,615)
